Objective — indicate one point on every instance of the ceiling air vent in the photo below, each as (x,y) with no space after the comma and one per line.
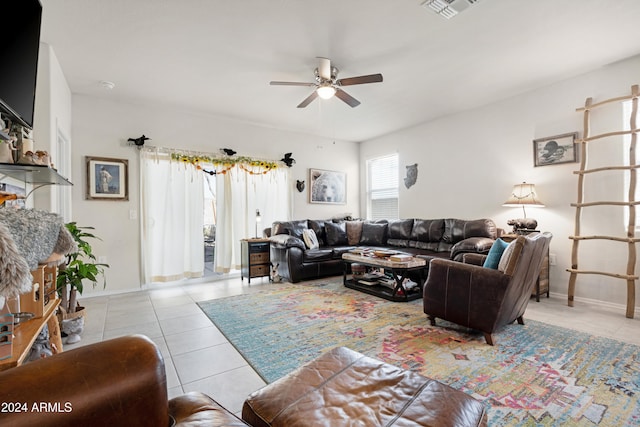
(448,8)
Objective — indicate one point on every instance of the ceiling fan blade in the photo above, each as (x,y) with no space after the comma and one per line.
(371,78)
(324,69)
(308,99)
(347,98)
(291,84)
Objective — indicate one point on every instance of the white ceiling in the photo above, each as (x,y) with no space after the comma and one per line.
(217,57)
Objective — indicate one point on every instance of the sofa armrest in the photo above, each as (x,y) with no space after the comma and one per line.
(116,382)
(474,259)
(283,241)
(480,245)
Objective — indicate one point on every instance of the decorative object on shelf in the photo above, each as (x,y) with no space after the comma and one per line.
(107,179)
(139,142)
(328,187)
(288,160)
(300,185)
(412,175)
(523,195)
(79,265)
(6,151)
(554,150)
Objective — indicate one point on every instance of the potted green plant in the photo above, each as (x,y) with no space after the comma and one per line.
(78,267)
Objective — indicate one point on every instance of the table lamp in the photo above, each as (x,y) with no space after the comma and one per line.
(258,221)
(523,195)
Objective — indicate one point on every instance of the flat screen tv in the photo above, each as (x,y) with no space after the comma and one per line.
(19,44)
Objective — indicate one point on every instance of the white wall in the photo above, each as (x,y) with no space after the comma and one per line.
(101,128)
(52,115)
(468,163)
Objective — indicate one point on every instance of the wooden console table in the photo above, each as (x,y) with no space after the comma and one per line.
(26,333)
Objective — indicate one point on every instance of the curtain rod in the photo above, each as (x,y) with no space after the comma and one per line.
(193,153)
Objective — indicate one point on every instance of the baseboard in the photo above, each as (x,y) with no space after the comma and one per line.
(152,286)
(590,301)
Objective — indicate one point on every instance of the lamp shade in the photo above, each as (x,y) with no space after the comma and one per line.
(523,194)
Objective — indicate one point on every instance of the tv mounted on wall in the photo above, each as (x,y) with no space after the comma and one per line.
(20,44)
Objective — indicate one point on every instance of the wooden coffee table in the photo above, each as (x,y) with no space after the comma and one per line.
(398,271)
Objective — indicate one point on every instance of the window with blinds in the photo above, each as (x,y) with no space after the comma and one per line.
(382,191)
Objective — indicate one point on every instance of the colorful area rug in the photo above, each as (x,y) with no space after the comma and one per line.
(536,374)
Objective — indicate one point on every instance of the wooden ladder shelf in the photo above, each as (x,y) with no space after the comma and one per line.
(629,276)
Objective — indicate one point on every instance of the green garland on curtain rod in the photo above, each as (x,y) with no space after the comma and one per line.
(224,163)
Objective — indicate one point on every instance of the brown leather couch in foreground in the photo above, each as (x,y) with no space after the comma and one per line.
(121,382)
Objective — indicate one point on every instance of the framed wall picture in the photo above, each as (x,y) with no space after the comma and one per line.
(107,179)
(555,150)
(327,187)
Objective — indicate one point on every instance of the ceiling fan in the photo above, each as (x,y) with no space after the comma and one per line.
(327,84)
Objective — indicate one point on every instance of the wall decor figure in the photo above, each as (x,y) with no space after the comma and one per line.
(300,185)
(328,187)
(412,175)
(288,160)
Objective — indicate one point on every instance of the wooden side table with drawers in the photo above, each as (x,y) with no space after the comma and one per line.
(255,258)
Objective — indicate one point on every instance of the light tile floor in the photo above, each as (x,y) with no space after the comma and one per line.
(199,358)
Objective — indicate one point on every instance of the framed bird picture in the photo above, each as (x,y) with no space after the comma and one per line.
(555,150)
(107,178)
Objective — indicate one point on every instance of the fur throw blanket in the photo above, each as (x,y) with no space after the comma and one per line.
(27,238)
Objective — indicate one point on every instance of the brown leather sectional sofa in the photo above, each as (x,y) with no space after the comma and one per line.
(440,238)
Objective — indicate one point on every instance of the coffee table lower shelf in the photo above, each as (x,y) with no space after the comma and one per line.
(383,291)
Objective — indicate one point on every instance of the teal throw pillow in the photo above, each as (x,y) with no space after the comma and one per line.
(495,253)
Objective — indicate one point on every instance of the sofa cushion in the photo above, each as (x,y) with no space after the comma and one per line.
(374,234)
(320,254)
(400,229)
(336,233)
(495,253)
(310,239)
(460,229)
(510,256)
(399,232)
(337,252)
(317,225)
(354,231)
(427,230)
(292,228)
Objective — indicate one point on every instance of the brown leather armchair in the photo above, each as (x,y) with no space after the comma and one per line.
(482,298)
(120,382)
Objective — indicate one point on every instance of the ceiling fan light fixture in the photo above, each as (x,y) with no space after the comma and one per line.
(326,91)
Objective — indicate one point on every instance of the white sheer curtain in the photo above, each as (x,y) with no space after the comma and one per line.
(172,218)
(239,195)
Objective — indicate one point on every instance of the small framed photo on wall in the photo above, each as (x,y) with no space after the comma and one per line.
(107,178)
(555,150)
(327,187)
